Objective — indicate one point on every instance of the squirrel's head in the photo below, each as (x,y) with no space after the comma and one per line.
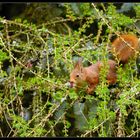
(77,76)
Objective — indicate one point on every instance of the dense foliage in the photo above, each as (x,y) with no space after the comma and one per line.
(37,52)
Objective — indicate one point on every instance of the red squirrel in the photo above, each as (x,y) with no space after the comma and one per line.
(123,48)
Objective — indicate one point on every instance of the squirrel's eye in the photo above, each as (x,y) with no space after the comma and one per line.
(77,75)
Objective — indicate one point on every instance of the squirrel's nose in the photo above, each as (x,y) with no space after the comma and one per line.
(71,84)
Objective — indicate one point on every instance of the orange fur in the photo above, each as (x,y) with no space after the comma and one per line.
(122,50)
(90,75)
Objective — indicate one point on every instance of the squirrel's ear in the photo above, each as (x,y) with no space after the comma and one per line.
(78,64)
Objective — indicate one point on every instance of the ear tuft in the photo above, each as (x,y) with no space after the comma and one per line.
(78,64)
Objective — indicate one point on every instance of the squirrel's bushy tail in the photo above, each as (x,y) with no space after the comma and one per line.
(125,47)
